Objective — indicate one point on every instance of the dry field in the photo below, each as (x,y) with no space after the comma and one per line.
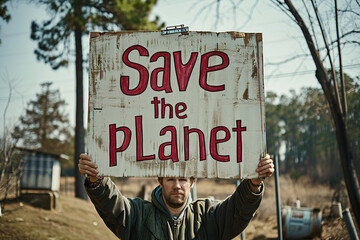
(77,219)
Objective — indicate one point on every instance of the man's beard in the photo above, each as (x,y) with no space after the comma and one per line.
(175,202)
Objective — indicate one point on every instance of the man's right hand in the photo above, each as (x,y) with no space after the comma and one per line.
(87,168)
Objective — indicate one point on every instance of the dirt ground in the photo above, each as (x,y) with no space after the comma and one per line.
(77,219)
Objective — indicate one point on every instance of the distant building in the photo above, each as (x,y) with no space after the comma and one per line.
(40,180)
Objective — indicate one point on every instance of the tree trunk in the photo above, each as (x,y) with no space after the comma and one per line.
(340,124)
(347,163)
(79,128)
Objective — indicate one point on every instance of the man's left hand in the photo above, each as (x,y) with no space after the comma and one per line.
(265,169)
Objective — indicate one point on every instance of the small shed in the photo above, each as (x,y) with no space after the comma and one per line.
(41,171)
(40,180)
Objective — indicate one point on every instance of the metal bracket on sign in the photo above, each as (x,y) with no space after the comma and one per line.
(175,29)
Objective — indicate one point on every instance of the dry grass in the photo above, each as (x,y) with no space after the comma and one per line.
(310,195)
(73,219)
(77,219)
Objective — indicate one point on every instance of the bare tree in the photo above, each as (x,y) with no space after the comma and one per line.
(322,44)
(10,165)
(329,83)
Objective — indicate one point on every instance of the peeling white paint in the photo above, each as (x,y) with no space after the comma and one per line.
(242,99)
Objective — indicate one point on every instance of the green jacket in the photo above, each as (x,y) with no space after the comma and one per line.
(202,219)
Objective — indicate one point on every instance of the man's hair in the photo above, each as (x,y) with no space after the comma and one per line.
(160,179)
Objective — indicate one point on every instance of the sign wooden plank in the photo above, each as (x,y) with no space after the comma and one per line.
(176,105)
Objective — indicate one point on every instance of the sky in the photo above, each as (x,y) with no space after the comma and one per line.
(282,39)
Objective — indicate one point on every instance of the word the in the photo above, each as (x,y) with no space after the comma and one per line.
(179,108)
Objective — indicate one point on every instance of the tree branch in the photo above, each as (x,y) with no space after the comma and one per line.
(321,71)
(342,80)
(349,11)
(6,107)
(249,15)
(329,56)
(281,5)
(311,24)
(288,59)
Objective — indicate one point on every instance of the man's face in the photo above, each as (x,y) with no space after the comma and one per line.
(176,191)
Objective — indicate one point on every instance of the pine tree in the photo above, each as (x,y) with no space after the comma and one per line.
(45,125)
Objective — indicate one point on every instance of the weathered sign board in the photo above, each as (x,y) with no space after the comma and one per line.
(176,105)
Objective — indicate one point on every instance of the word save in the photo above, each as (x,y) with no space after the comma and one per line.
(183,71)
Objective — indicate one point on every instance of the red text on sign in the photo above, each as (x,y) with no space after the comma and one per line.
(179,108)
(183,71)
(173,143)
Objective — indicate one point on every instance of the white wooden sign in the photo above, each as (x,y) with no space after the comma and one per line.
(176,105)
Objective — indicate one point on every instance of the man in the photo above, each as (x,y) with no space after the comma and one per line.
(171,214)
